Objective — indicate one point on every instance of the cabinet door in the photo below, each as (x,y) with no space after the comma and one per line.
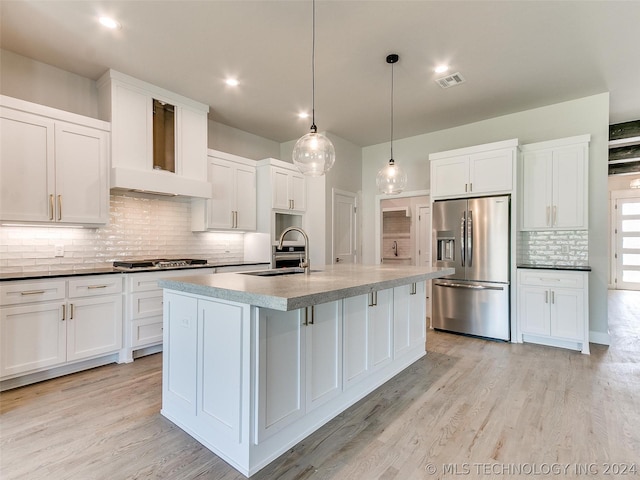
(179,371)
(82,185)
(245,196)
(27,168)
(297,191)
(280,189)
(132,128)
(280,370)
(409,318)
(381,328)
(567,313)
(537,184)
(356,339)
(323,353)
(94,326)
(449,176)
(191,143)
(569,187)
(534,310)
(221,205)
(491,172)
(31,337)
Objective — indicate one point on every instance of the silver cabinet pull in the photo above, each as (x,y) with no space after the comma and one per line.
(32,292)
(92,287)
(313,314)
(555,215)
(71,312)
(471,187)
(306,315)
(465,187)
(548,209)
(414,289)
(51,207)
(373,299)
(64,312)
(546,296)
(553,296)
(59,207)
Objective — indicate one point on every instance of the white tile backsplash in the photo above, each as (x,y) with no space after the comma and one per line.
(140,227)
(566,247)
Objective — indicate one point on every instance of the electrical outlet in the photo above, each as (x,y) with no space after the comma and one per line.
(59,251)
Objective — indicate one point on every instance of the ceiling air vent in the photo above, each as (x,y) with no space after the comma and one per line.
(450,80)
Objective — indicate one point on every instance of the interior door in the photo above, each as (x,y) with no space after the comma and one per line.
(344,227)
(628,243)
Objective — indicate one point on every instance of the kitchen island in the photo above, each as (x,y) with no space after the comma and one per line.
(253,363)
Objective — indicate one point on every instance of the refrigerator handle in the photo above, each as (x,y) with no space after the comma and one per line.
(470,239)
(463,222)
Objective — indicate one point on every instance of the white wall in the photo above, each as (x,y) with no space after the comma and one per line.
(576,117)
(231,140)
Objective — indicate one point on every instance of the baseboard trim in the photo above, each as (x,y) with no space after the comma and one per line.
(601,338)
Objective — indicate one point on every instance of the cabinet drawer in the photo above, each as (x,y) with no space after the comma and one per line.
(146,282)
(146,304)
(551,278)
(28,292)
(92,286)
(146,331)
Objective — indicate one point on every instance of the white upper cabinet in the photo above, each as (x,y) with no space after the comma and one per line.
(554,184)
(233,202)
(53,165)
(479,170)
(159,138)
(288,189)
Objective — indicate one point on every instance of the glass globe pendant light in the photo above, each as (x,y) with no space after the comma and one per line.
(391,179)
(313,153)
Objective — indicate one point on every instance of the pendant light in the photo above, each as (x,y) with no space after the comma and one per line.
(314,154)
(391,179)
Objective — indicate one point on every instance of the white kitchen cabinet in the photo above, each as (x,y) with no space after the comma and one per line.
(553,307)
(233,202)
(480,170)
(143,309)
(368,330)
(128,103)
(554,185)
(49,323)
(289,189)
(409,318)
(54,165)
(299,363)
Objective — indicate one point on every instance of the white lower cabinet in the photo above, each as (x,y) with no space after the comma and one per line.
(409,318)
(51,323)
(143,308)
(553,308)
(299,363)
(250,382)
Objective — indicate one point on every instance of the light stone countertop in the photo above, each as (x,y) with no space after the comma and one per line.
(326,283)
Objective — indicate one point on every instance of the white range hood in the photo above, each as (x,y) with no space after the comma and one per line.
(158,182)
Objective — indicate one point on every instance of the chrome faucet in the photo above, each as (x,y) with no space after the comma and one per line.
(305,265)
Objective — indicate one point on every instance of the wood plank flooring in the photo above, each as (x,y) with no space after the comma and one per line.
(471,408)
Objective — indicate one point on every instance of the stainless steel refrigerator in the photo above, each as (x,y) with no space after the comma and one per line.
(472,235)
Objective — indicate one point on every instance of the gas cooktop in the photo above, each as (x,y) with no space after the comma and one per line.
(159,263)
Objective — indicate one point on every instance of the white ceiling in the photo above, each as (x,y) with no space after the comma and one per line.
(515,55)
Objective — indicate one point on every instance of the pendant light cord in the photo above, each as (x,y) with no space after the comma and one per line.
(314,129)
(391,159)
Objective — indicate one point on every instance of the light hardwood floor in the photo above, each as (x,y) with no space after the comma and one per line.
(482,408)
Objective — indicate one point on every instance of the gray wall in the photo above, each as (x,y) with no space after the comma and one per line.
(585,115)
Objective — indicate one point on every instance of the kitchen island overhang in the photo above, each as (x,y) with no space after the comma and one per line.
(252,365)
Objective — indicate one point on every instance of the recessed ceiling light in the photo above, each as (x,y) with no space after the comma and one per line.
(303,115)
(232,82)
(110,23)
(441,68)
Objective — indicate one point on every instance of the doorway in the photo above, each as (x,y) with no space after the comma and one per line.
(626,241)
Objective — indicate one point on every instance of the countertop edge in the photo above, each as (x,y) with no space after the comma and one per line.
(295,302)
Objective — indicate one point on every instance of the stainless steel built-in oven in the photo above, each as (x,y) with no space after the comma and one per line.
(287,256)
